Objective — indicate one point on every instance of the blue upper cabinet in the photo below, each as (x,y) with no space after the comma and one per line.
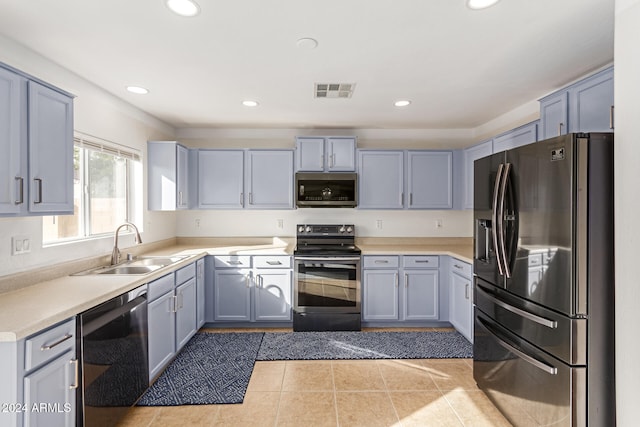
(591,103)
(221,179)
(585,106)
(380,179)
(470,155)
(36,139)
(522,135)
(13,162)
(270,179)
(554,115)
(430,179)
(320,154)
(168,176)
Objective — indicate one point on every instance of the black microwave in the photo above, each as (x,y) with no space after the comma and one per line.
(326,190)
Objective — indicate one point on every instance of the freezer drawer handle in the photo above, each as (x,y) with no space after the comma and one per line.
(531,360)
(515,310)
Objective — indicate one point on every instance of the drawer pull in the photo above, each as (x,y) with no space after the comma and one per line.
(459,267)
(422,261)
(76,383)
(60,341)
(381,261)
(274,263)
(232,262)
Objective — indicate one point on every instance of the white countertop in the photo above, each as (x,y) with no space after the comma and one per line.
(31,309)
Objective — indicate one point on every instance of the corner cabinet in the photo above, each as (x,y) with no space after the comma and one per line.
(168,176)
(37,126)
(326,154)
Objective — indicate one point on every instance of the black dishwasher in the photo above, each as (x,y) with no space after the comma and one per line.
(113,354)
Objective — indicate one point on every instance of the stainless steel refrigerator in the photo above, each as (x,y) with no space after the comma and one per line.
(544,281)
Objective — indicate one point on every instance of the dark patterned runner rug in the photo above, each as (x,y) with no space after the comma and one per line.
(216,367)
(363,345)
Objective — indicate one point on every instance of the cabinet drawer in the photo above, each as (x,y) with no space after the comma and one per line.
(420,261)
(49,344)
(382,261)
(160,286)
(461,268)
(535,260)
(232,261)
(185,273)
(279,261)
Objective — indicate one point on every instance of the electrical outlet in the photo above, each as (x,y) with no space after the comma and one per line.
(280,223)
(379,224)
(438,223)
(20,245)
(197,223)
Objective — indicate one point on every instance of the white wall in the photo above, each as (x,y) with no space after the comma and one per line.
(97,113)
(230,223)
(627,205)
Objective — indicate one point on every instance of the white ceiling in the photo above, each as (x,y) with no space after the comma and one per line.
(460,68)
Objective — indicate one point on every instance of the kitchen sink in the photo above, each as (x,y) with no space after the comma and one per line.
(131,269)
(137,266)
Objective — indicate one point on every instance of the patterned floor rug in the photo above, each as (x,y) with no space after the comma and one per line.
(363,345)
(216,367)
(211,368)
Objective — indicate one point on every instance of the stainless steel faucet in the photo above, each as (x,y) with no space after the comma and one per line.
(115,254)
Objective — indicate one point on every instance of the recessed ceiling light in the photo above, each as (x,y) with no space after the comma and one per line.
(402,103)
(138,90)
(480,4)
(307,43)
(249,103)
(183,7)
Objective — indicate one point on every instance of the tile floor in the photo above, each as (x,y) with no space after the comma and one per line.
(425,392)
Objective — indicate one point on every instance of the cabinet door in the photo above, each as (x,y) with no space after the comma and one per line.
(232,298)
(182,165)
(591,104)
(270,179)
(186,312)
(162,178)
(421,295)
(52,385)
(377,190)
(461,306)
(310,154)
(200,293)
(50,150)
(380,294)
(472,154)
(341,154)
(162,332)
(430,179)
(221,179)
(273,291)
(553,115)
(12,145)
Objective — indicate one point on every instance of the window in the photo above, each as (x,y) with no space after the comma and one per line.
(107,192)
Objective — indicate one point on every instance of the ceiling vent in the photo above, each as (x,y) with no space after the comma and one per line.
(334,90)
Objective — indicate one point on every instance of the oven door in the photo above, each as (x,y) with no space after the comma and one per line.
(327,284)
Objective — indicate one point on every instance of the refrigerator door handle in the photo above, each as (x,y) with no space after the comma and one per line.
(552,324)
(494,217)
(501,225)
(551,370)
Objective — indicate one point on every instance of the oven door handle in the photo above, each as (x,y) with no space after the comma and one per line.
(323,259)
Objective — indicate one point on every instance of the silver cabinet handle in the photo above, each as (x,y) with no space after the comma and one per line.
(60,341)
(421,261)
(20,190)
(180,198)
(274,263)
(611,117)
(401,199)
(75,374)
(333,160)
(410,199)
(321,161)
(234,262)
(459,267)
(381,261)
(406,280)
(396,278)
(39,199)
(241,199)
(560,126)
(466,291)
(250,198)
(247,281)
